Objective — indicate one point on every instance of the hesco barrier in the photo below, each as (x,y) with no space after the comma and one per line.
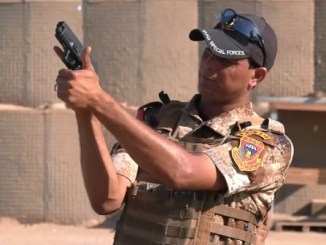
(40,176)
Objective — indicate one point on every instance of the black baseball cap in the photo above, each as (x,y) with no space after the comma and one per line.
(241,36)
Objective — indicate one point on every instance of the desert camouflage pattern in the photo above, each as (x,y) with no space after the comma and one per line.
(124,164)
(252,191)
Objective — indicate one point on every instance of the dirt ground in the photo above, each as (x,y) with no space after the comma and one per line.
(14,233)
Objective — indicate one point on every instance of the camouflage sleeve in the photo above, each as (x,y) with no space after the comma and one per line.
(248,164)
(123,163)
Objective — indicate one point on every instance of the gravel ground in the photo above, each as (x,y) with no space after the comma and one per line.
(14,233)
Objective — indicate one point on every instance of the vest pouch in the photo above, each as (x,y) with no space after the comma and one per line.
(161,215)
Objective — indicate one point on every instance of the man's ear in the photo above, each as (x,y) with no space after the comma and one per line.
(258,75)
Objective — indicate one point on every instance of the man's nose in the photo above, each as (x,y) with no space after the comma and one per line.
(209,66)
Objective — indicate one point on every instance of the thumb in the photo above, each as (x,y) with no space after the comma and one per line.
(86,59)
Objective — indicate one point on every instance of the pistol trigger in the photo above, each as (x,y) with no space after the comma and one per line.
(69,59)
(67,54)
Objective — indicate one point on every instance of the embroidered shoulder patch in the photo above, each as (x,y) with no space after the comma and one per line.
(248,154)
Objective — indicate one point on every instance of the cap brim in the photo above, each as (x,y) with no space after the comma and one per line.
(220,43)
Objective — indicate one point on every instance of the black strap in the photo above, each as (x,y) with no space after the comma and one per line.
(265,123)
(245,124)
(164,97)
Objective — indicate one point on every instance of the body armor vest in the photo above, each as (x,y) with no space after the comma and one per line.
(154,214)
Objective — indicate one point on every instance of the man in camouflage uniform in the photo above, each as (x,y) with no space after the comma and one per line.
(209,171)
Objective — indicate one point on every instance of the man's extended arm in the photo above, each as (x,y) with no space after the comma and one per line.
(105,189)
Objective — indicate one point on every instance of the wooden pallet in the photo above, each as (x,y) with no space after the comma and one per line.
(304,226)
(284,222)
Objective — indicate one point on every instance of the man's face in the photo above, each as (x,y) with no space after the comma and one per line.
(223,80)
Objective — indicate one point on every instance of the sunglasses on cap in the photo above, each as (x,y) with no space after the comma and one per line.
(228,19)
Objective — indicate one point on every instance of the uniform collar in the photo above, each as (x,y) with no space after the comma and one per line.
(222,123)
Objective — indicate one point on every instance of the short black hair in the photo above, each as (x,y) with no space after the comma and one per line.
(253,64)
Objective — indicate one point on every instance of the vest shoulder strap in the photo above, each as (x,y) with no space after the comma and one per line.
(264,123)
(150,111)
(169,115)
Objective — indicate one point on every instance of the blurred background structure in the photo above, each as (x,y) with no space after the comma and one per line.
(141,48)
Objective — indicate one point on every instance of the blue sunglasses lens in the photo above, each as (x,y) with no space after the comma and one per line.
(228,19)
(247,28)
(227,16)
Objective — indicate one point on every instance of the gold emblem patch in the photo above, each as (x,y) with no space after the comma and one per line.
(247,154)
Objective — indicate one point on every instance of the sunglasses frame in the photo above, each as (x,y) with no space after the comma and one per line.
(230,23)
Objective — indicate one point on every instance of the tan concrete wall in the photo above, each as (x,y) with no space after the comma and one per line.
(21,161)
(28,65)
(320,50)
(294,73)
(40,177)
(142,47)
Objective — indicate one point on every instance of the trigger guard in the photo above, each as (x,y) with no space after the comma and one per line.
(69,59)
